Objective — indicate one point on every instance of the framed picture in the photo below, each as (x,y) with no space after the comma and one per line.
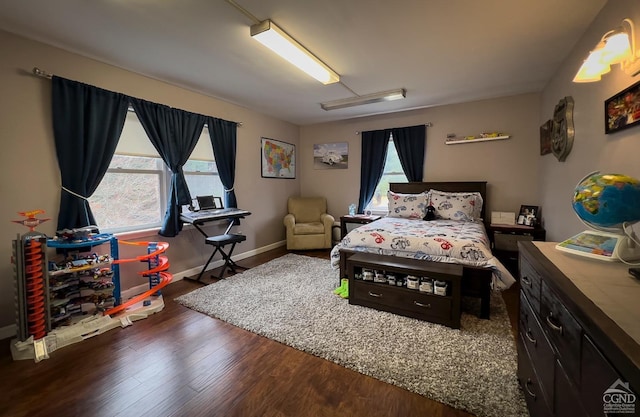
(528,215)
(331,155)
(545,137)
(622,110)
(278,159)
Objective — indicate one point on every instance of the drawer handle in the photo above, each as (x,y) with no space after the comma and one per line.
(530,337)
(422,305)
(526,280)
(556,327)
(373,294)
(526,386)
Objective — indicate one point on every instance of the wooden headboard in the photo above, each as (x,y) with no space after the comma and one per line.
(449,186)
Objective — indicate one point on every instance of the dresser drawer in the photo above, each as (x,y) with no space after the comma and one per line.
(597,376)
(530,283)
(538,347)
(567,402)
(536,403)
(563,330)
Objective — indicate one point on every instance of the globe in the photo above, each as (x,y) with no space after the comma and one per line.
(606,201)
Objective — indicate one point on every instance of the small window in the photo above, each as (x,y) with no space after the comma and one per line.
(392,173)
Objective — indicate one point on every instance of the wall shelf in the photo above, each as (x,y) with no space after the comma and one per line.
(455,141)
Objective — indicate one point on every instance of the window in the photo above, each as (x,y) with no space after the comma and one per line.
(392,173)
(202,176)
(133,193)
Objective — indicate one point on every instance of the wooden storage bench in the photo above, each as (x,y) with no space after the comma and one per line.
(442,309)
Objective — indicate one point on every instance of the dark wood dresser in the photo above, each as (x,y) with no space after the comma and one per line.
(579,334)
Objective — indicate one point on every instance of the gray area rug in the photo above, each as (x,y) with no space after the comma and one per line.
(290,299)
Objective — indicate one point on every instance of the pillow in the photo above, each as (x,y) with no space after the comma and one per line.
(466,206)
(408,206)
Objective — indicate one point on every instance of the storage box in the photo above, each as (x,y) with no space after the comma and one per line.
(503,217)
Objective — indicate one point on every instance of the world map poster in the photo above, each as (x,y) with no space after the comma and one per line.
(278,159)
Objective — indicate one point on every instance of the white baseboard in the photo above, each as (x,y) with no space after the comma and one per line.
(10,331)
(177,276)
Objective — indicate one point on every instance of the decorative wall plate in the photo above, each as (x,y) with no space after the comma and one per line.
(563,132)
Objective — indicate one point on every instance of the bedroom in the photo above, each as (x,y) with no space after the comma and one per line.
(520,177)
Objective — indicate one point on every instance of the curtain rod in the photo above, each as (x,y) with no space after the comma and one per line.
(428,124)
(40,73)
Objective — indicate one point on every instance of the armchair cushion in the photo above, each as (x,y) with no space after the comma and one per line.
(308,224)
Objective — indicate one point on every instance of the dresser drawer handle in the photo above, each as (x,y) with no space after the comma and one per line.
(530,337)
(526,386)
(556,327)
(526,280)
(373,294)
(422,305)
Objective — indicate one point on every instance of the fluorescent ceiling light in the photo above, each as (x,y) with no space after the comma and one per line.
(276,39)
(366,99)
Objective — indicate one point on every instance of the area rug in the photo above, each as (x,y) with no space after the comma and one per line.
(290,299)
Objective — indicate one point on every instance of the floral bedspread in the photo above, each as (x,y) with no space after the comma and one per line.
(454,241)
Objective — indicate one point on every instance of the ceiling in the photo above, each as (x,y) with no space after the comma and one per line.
(440,51)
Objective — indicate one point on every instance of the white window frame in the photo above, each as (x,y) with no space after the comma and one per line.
(164,182)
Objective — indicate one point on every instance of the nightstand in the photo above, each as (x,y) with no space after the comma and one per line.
(504,242)
(356,219)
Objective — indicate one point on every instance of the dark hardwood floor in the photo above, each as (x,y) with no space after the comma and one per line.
(182,363)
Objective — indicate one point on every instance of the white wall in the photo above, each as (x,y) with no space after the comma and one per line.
(592,149)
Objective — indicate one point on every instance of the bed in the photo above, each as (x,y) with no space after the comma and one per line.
(457,236)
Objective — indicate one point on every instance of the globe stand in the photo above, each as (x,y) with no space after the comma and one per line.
(603,246)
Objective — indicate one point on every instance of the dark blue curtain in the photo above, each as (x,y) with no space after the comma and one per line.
(374,154)
(410,143)
(223,141)
(87,123)
(174,133)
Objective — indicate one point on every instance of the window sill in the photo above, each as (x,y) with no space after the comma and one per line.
(138,234)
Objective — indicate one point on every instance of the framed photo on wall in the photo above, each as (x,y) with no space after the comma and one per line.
(622,110)
(331,155)
(278,159)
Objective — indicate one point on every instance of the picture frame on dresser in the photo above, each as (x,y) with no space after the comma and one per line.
(528,215)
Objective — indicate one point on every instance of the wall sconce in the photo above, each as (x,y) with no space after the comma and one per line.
(616,47)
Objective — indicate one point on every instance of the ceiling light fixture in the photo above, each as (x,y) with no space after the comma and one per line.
(616,47)
(276,39)
(366,99)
